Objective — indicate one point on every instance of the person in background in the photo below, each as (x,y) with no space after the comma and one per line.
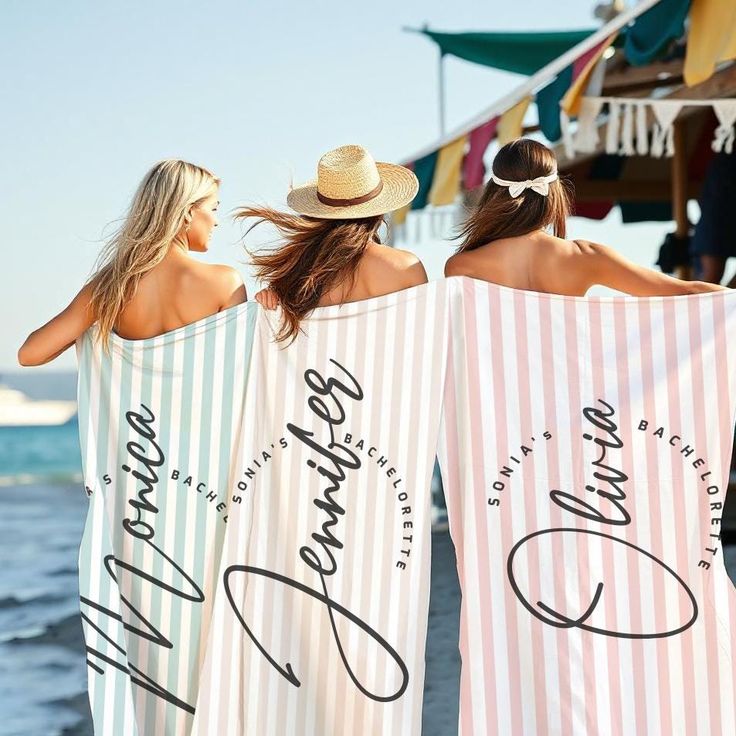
(147,281)
(714,239)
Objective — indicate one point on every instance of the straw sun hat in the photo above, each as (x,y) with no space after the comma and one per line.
(351,185)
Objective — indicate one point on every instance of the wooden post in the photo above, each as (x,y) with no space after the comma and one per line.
(442,93)
(680,191)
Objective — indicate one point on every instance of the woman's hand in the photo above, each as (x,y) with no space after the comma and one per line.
(58,334)
(267,299)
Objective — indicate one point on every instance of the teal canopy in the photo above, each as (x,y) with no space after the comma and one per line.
(523,53)
(654,31)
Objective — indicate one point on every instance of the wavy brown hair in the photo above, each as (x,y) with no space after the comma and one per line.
(499,215)
(316,256)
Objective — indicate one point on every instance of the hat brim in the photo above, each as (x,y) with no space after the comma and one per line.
(400,186)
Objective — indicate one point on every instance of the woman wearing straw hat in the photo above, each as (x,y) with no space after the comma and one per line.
(506,239)
(331,252)
(147,282)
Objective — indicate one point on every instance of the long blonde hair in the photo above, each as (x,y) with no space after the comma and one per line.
(160,209)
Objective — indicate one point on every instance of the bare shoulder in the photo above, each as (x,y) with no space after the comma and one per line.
(600,264)
(225,281)
(586,247)
(392,256)
(84,296)
(458,264)
(470,263)
(219,273)
(411,267)
(571,255)
(402,266)
(591,255)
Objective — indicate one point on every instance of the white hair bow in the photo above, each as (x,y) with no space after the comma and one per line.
(539,185)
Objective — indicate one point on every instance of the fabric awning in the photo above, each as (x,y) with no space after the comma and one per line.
(523,53)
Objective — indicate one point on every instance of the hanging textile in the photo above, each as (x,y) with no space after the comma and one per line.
(523,53)
(478,141)
(424,170)
(511,123)
(711,38)
(628,128)
(446,183)
(653,31)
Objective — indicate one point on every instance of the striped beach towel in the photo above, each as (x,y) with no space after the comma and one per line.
(256,554)
(584,452)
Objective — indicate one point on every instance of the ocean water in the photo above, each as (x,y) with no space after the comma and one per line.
(43,679)
(42,513)
(40,454)
(42,663)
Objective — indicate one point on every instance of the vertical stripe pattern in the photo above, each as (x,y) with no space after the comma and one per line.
(159,420)
(256,556)
(325,590)
(585,450)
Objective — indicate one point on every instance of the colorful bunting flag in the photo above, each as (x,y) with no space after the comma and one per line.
(398,218)
(446,181)
(548,104)
(711,39)
(653,32)
(424,170)
(473,169)
(510,124)
(582,74)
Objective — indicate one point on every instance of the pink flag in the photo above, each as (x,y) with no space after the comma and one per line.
(473,168)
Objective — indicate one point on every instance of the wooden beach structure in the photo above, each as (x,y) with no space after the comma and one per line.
(634,111)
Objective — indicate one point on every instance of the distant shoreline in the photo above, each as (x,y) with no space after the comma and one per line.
(38,383)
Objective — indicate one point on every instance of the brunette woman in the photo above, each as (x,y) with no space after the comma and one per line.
(331,251)
(517,236)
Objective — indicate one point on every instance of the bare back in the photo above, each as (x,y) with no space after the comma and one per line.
(382,270)
(542,262)
(177,292)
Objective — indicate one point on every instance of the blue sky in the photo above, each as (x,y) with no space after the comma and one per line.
(94,93)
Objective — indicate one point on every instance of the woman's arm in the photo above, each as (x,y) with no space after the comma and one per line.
(604,266)
(60,333)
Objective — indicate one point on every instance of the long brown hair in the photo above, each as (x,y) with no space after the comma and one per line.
(316,256)
(499,215)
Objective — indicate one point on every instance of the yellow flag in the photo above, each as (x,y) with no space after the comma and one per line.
(399,216)
(511,123)
(570,103)
(711,39)
(446,180)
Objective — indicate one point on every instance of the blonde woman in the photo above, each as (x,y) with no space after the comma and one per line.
(147,282)
(331,251)
(506,240)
